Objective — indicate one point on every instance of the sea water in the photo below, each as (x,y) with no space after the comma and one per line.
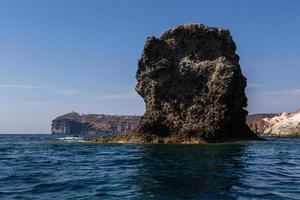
(46,167)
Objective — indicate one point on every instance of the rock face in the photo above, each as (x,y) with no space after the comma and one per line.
(192,85)
(257,123)
(74,123)
(280,124)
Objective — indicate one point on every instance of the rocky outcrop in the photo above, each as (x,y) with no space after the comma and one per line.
(279,124)
(193,87)
(74,123)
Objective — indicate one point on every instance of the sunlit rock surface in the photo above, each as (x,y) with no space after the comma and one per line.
(278,124)
(193,87)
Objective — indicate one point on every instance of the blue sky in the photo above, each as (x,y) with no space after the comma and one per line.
(58,56)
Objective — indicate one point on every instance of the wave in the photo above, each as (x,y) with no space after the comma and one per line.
(71,139)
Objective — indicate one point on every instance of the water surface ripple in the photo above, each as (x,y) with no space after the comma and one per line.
(43,167)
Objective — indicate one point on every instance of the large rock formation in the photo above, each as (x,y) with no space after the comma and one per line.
(277,124)
(193,87)
(74,123)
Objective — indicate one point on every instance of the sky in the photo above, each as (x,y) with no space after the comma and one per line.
(58,56)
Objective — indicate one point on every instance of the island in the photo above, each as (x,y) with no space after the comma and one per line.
(193,88)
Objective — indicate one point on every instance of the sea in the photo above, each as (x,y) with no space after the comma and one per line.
(62,167)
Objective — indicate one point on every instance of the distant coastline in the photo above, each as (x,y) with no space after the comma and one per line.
(275,124)
(75,123)
(266,124)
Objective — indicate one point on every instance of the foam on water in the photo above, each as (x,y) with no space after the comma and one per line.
(71,139)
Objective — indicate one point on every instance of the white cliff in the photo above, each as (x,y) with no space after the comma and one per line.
(284,124)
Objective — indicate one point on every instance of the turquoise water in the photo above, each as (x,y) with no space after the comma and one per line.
(43,167)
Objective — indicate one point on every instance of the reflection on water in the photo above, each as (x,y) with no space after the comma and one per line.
(44,167)
(190,171)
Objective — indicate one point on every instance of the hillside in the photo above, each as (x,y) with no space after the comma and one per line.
(74,123)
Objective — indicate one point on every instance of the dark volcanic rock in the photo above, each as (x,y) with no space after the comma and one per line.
(74,123)
(193,87)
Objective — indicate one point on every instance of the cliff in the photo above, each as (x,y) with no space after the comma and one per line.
(193,87)
(278,124)
(74,123)
(257,123)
